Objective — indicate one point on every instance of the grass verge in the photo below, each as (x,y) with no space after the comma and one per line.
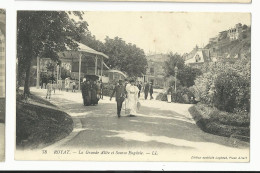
(40,125)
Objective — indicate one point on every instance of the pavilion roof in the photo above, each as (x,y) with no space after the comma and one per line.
(85,49)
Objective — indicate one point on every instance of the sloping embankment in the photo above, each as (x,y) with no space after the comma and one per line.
(39,125)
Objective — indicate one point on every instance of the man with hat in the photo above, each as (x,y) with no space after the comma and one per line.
(146,90)
(120,96)
(151,90)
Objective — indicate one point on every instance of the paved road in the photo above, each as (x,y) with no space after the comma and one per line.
(158,125)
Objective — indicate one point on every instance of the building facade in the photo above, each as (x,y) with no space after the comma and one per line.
(234,33)
(155,71)
(197,57)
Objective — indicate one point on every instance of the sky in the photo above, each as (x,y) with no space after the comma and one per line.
(163,32)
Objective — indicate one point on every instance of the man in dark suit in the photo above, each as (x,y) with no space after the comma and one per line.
(146,90)
(151,90)
(120,96)
(139,86)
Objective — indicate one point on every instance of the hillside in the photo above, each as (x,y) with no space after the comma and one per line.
(227,48)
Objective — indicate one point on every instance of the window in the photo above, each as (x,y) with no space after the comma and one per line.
(197,58)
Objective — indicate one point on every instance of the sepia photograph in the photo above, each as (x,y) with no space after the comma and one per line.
(133,86)
(2,85)
(202,1)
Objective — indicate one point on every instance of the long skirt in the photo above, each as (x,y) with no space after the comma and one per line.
(94,99)
(169,98)
(87,98)
(132,104)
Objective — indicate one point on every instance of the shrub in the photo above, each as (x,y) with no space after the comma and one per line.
(108,89)
(183,95)
(234,119)
(233,86)
(213,121)
(232,91)
(162,96)
(202,87)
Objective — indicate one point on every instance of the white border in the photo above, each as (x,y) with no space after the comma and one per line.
(11,6)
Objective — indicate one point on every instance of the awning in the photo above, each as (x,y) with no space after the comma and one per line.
(117,71)
(85,49)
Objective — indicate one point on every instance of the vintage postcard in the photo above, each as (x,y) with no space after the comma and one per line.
(2,84)
(133,86)
(207,1)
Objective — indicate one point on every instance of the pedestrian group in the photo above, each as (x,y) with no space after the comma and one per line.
(127,92)
(91,92)
(130,94)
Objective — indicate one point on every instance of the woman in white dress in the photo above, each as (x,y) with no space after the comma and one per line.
(132,96)
(67,84)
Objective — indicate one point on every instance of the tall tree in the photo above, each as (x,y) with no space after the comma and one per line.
(175,60)
(126,57)
(186,75)
(44,34)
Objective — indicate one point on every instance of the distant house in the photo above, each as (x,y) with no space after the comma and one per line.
(155,70)
(197,57)
(234,33)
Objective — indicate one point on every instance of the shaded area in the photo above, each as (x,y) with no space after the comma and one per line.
(39,125)
(2,110)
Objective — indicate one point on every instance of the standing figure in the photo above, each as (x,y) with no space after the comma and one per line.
(84,91)
(88,93)
(44,81)
(101,89)
(54,86)
(49,89)
(169,93)
(59,84)
(94,99)
(52,78)
(146,90)
(41,80)
(139,86)
(67,84)
(151,90)
(127,85)
(74,86)
(98,89)
(132,94)
(120,96)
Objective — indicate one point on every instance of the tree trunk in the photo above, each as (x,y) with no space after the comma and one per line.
(27,79)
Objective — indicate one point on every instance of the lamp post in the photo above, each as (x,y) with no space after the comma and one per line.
(175,71)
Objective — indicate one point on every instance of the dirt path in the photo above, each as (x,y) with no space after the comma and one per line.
(158,125)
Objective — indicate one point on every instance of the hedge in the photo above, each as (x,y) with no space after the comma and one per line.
(221,123)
